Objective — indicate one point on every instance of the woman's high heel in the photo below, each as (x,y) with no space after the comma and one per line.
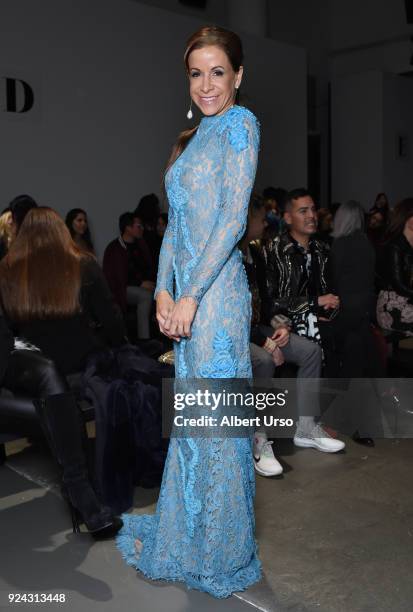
(75,519)
(108,528)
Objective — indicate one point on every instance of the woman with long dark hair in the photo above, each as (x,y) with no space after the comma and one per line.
(50,291)
(54,292)
(203,530)
(395,302)
(78,224)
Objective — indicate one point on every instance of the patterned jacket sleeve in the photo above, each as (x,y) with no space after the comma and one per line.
(240,154)
(276,299)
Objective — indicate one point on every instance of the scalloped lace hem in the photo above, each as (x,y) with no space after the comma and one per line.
(217,585)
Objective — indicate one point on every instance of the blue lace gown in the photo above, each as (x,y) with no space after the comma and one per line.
(203,530)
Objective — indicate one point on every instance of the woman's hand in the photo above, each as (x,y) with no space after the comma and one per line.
(164,307)
(179,321)
(281,336)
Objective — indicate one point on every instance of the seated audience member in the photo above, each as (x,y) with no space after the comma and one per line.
(160,232)
(270,348)
(19,208)
(324,225)
(54,317)
(395,301)
(351,269)
(296,270)
(376,227)
(148,210)
(274,201)
(6,232)
(382,204)
(129,269)
(352,277)
(77,222)
(296,286)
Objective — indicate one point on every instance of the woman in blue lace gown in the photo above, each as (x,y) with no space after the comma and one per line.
(203,530)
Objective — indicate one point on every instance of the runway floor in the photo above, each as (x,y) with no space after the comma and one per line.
(335,535)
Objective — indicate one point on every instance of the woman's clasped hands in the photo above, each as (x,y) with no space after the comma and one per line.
(175,319)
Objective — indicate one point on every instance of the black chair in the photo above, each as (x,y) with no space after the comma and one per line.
(400,360)
(18,417)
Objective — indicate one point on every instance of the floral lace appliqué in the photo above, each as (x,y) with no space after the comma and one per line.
(222,364)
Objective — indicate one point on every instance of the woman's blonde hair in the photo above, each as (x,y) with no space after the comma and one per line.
(6,228)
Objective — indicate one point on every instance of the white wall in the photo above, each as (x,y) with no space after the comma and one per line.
(357,137)
(369,112)
(111,96)
(214,11)
(356,22)
(397,121)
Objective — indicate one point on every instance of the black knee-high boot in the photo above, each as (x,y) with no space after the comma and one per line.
(60,418)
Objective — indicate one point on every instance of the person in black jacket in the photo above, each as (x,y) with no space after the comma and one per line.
(269,347)
(351,270)
(51,294)
(395,302)
(296,286)
(296,269)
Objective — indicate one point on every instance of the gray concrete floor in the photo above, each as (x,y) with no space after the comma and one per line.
(335,535)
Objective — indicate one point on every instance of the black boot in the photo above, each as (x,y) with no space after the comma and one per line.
(60,418)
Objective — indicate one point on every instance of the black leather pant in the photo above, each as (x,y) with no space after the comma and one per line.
(33,374)
(30,376)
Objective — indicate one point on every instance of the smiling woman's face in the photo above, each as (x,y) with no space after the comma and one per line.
(212,80)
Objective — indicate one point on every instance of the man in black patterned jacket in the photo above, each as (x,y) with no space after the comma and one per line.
(267,346)
(296,275)
(296,286)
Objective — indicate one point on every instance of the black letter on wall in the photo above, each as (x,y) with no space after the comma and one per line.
(11,97)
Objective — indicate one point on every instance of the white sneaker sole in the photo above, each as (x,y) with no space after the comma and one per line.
(262,472)
(313,444)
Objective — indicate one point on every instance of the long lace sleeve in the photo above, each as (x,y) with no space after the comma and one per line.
(165,278)
(240,142)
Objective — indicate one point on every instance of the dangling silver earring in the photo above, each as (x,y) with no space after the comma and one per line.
(190,114)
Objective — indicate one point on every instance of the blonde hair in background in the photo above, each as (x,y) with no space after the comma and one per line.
(6,228)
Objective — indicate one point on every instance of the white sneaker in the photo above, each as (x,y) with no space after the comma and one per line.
(319,439)
(264,461)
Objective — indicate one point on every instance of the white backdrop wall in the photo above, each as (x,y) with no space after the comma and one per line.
(110,98)
(397,122)
(357,137)
(370,112)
